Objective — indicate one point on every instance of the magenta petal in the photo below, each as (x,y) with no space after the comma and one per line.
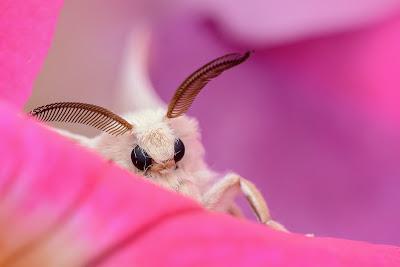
(266,22)
(51,188)
(201,239)
(26,28)
(324,111)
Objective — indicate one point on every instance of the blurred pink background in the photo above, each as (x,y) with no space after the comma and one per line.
(312,118)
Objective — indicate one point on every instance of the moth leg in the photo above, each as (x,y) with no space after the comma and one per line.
(221,196)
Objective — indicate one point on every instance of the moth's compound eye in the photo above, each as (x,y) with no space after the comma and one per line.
(140,158)
(179,150)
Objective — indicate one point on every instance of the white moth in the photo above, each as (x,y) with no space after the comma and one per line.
(164,146)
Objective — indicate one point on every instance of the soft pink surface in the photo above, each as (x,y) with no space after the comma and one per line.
(314,123)
(276,21)
(26,28)
(51,188)
(314,109)
(122,220)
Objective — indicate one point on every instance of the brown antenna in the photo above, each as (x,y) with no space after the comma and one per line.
(87,114)
(191,87)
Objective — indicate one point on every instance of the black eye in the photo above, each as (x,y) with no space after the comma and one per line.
(140,158)
(179,150)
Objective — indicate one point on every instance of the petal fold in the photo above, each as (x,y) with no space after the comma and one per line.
(81,210)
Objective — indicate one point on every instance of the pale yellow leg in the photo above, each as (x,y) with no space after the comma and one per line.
(221,195)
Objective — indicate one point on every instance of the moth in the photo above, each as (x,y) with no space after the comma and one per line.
(163,145)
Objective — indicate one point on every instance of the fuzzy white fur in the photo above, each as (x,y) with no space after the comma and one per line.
(156,134)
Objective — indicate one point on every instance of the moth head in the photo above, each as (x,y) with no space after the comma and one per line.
(158,146)
(149,142)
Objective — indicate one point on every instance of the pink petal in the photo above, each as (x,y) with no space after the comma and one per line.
(26,28)
(201,239)
(318,117)
(52,189)
(326,155)
(266,22)
(63,188)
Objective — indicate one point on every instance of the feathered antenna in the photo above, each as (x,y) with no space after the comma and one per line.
(88,114)
(191,87)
